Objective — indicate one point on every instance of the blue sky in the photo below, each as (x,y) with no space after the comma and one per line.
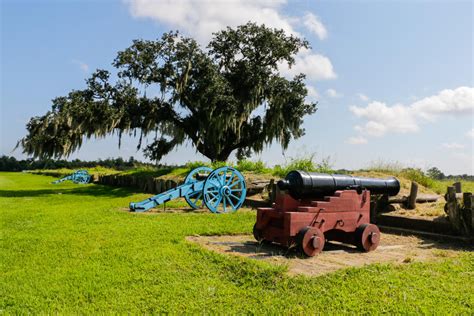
(394,79)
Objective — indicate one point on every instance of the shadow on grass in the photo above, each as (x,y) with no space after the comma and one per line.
(267,249)
(94,190)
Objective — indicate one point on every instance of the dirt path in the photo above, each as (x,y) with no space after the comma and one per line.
(392,249)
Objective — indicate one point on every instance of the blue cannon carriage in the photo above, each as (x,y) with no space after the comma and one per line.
(79,176)
(222,190)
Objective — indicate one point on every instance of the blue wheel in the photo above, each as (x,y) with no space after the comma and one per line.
(81,177)
(224,190)
(194,199)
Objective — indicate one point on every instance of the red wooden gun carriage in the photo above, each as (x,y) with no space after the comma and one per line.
(311,208)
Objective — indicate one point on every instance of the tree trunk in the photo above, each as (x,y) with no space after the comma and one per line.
(221,156)
(213,155)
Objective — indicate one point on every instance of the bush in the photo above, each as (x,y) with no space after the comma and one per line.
(12,164)
(392,167)
(417,175)
(252,166)
(195,164)
(219,164)
(305,164)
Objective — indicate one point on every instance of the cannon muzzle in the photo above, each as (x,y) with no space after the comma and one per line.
(303,184)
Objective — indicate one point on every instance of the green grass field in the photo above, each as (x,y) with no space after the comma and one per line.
(73,249)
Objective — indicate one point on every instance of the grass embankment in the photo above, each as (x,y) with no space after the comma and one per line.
(427,185)
(415,174)
(65,171)
(71,249)
(258,167)
(439,186)
(259,170)
(251,168)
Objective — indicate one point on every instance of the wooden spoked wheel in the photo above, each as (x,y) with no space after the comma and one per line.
(311,241)
(195,199)
(367,237)
(224,190)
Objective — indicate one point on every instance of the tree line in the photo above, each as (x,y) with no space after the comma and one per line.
(437,174)
(8,163)
(12,164)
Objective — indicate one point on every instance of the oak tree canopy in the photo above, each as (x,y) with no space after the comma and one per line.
(225,98)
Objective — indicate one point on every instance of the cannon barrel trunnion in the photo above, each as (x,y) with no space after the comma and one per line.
(312,208)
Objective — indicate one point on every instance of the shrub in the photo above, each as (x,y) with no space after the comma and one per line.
(305,164)
(417,175)
(219,164)
(195,164)
(392,167)
(253,166)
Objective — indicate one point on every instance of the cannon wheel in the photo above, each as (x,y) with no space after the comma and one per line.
(311,241)
(194,199)
(367,237)
(81,177)
(257,233)
(224,190)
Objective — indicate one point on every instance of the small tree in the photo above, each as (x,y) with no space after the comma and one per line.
(435,173)
(228,97)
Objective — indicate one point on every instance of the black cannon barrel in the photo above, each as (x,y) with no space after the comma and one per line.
(303,184)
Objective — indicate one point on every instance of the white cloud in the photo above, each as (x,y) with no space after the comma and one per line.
(363,97)
(459,101)
(333,93)
(315,66)
(82,65)
(382,118)
(453,146)
(400,118)
(470,133)
(314,24)
(357,140)
(200,19)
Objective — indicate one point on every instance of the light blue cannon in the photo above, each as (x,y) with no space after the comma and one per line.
(221,190)
(79,176)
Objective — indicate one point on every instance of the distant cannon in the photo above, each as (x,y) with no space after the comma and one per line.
(314,207)
(79,176)
(221,190)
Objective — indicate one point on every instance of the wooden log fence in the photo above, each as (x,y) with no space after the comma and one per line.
(459,208)
(384,204)
(157,185)
(411,201)
(143,184)
(420,198)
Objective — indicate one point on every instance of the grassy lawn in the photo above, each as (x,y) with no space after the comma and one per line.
(71,248)
(440,186)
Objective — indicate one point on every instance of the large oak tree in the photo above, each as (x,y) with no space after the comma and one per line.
(230,96)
